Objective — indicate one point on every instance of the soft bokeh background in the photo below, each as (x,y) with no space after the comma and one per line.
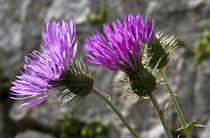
(21,22)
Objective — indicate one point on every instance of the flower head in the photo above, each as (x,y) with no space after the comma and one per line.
(160,50)
(46,69)
(123,44)
(122,48)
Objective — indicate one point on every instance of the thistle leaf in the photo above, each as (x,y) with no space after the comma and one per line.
(193,124)
(166,106)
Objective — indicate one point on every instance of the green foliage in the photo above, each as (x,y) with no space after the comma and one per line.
(193,124)
(100,17)
(202,47)
(94,128)
(69,127)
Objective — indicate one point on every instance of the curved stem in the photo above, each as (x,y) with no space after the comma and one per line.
(101,94)
(161,115)
(177,107)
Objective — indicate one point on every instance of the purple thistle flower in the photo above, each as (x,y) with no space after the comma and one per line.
(122,47)
(46,69)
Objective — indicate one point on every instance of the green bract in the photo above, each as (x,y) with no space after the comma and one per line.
(160,50)
(78,81)
(142,81)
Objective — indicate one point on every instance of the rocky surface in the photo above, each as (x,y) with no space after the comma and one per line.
(21,22)
(206,132)
(45,115)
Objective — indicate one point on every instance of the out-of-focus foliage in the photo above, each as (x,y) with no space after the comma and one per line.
(94,128)
(4,85)
(202,47)
(69,127)
(1,84)
(100,17)
(9,127)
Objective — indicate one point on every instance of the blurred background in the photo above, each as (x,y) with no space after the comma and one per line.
(21,23)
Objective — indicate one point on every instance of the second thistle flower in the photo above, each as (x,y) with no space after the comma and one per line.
(122,48)
(52,68)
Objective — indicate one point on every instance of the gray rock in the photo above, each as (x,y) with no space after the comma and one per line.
(156,132)
(20,33)
(33,134)
(69,9)
(202,95)
(205,133)
(46,115)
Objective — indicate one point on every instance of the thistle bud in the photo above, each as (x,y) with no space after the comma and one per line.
(79,84)
(78,80)
(156,53)
(160,50)
(142,81)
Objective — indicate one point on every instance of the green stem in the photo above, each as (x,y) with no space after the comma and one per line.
(101,94)
(177,107)
(161,115)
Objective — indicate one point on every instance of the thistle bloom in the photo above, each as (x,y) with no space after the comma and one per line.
(46,69)
(122,47)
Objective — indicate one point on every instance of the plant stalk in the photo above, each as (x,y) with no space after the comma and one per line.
(101,94)
(177,107)
(161,115)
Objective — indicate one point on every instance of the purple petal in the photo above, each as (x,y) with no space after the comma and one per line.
(35,101)
(122,47)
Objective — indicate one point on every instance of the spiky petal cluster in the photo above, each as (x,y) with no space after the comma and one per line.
(122,47)
(46,69)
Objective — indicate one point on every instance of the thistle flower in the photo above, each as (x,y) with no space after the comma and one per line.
(122,48)
(49,68)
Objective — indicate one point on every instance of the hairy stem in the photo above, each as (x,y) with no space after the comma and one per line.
(161,115)
(101,94)
(177,107)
